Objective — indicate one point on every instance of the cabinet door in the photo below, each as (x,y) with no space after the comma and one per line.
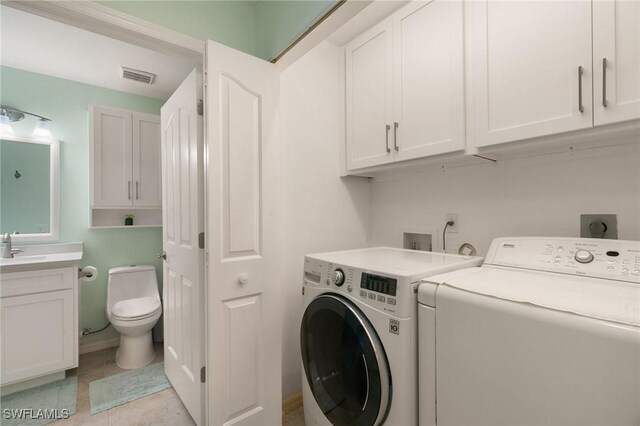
(37,334)
(530,69)
(428,79)
(616,61)
(111,157)
(369,97)
(146,190)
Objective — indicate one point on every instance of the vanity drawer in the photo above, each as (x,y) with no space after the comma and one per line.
(39,281)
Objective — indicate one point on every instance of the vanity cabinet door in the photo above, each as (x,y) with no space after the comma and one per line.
(428,79)
(369,98)
(38,334)
(111,157)
(530,69)
(616,61)
(146,190)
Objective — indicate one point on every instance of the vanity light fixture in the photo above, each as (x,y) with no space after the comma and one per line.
(10,114)
(5,124)
(42,129)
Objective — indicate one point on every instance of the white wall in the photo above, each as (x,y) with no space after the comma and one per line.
(536,196)
(322,212)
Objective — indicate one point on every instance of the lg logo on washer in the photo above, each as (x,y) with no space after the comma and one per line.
(394,326)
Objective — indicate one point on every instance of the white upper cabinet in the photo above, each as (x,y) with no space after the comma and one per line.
(125,152)
(146,190)
(428,79)
(530,69)
(369,92)
(616,60)
(111,148)
(405,86)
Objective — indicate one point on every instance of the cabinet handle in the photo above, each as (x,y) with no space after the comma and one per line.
(137,190)
(604,82)
(387,138)
(129,189)
(395,136)
(580,72)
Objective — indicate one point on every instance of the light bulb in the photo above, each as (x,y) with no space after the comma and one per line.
(5,125)
(42,129)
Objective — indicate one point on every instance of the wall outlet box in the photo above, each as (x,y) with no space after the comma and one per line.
(414,241)
(599,226)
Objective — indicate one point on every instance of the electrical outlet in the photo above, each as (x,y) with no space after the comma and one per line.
(453,229)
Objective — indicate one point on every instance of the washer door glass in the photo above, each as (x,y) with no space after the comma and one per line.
(344,362)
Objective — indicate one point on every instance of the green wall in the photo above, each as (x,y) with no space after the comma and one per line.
(261,28)
(66,103)
(25,200)
(280,22)
(228,22)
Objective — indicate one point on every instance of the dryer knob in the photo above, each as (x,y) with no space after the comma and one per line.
(584,256)
(338,277)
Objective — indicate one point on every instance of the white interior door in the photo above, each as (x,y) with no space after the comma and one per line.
(183,220)
(244,350)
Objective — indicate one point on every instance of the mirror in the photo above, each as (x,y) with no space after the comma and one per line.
(29,188)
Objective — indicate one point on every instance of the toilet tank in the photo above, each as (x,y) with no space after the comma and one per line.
(131,282)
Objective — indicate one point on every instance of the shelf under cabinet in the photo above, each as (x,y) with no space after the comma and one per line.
(114,217)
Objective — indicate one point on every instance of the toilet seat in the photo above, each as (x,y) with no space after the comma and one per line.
(136,309)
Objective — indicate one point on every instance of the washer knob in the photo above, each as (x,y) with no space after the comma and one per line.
(338,277)
(584,256)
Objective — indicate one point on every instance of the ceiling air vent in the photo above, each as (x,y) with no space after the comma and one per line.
(137,75)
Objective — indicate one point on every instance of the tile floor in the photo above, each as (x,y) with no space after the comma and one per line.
(162,408)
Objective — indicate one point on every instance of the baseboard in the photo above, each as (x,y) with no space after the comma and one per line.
(85,348)
(291,403)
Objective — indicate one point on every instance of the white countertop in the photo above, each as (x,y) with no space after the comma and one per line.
(39,256)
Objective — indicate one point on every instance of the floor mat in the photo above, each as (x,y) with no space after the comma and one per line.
(41,405)
(125,387)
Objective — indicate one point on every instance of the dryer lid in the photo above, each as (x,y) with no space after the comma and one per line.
(608,300)
(136,308)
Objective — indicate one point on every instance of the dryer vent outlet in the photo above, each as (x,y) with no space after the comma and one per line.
(599,226)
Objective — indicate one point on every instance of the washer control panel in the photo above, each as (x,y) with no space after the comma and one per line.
(384,292)
(611,259)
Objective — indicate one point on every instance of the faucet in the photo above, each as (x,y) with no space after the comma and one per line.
(8,251)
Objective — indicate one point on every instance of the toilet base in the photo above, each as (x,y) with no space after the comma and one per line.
(135,351)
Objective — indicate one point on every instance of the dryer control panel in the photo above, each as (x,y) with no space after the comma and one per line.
(609,259)
(388,293)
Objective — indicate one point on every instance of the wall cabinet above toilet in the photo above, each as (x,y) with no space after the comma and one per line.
(125,166)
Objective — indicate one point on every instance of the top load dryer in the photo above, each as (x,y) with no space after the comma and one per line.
(358,333)
(546,332)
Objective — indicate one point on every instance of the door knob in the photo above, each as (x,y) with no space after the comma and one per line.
(162,255)
(243,279)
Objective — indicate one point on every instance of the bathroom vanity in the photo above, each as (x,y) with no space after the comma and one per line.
(39,314)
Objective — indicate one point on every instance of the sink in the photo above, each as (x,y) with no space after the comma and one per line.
(37,256)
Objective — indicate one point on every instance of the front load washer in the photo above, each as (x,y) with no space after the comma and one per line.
(546,332)
(358,334)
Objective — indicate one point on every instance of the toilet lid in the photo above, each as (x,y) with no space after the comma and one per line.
(136,308)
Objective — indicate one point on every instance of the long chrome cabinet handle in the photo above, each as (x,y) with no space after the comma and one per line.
(137,190)
(387,138)
(604,82)
(580,72)
(129,189)
(395,136)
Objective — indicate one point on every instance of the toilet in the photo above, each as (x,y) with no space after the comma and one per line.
(133,308)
